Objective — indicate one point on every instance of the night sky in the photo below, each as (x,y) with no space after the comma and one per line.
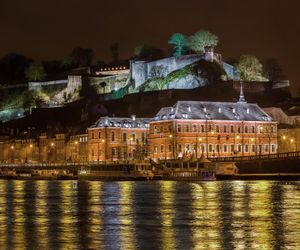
(44,29)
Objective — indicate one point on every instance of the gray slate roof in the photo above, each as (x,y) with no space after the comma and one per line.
(121,122)
(213,111)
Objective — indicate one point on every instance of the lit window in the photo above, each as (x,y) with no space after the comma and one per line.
(259,148)
(273,148)
(266,148)
(194,128)
(202,129)
(179,147)
(124,137)
(178,127)
(187,127)
(112,136)
(133,137)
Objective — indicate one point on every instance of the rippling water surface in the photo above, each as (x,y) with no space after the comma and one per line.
(149,215)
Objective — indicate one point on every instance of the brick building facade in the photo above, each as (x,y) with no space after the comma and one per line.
(213,129)
(112,138)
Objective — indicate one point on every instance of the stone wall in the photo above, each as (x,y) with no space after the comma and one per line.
(35,85)
(282,118)
(141,71)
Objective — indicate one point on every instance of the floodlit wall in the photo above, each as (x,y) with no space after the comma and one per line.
(142,71)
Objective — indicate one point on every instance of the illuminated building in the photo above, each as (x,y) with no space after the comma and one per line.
(112,138)
(213,129)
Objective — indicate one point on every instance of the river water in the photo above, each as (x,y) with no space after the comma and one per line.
(149,215)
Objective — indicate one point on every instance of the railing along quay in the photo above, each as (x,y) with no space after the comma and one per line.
(278,156)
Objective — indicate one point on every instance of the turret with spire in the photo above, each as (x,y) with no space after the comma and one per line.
(242,97)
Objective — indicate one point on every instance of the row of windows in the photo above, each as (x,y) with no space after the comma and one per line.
(217,128)
(124,136)
(113,152)
(225,148)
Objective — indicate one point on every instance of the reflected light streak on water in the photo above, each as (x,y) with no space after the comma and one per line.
(41,214)
(19,218)
(3,214)
(68,219)
(126,216)
(149,215)
(167,189)
(206,224)
(95,228)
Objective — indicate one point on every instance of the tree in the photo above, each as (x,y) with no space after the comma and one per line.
(272,70)
(35,72)
(179,43)
(34,98)
(145,51)
(250,68)
(202,39)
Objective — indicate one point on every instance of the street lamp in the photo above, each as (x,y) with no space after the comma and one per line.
(52,145)
(12,153)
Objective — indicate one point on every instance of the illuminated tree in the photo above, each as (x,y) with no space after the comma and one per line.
(200,40)
(34,98)
(35,72)
(250,68)
(178,41)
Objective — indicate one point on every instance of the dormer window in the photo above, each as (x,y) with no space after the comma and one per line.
(185,116)
(233,110)
(189,109)
(204,109)
(220,110)
(247,110)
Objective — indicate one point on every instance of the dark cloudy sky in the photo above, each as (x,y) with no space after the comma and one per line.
(49,29)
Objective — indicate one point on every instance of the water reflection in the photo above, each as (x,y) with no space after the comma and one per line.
(167,209)
(149,215)
(206,216)
(41,214)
